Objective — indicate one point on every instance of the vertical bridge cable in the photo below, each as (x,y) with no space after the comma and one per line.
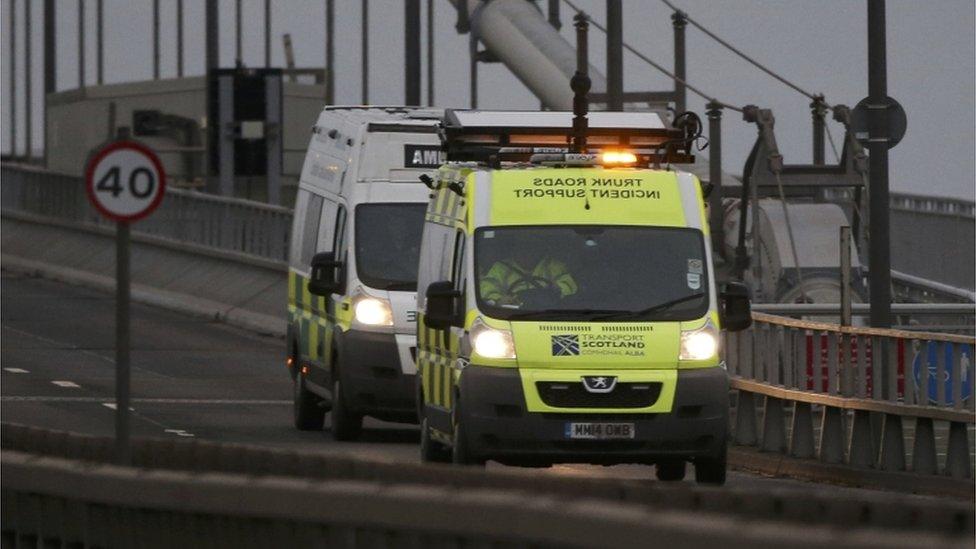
(657,66)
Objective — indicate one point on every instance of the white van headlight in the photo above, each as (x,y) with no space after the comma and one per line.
(699,344)
(373,311)
(491,342)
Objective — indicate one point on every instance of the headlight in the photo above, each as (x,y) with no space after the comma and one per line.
(373,312)
(700,344)
(490,342)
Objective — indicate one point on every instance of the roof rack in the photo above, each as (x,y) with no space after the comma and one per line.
(516,136)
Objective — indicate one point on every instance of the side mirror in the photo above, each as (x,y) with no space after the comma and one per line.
(707,189)
(327,275)
(736,311)
(443,302)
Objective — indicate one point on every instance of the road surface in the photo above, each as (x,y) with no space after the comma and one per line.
(192,377)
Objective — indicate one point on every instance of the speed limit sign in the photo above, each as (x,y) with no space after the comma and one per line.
(125,181)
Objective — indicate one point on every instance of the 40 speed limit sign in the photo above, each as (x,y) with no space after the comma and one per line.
(125,181)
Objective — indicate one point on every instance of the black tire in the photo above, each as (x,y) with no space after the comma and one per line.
(431,451)
(670,470)
(711,470)
(309,414)
(345,424)
(461,453)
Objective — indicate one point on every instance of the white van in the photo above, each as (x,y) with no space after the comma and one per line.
(359,217)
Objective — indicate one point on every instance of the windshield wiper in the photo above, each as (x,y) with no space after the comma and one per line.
(651,309)
(525,315)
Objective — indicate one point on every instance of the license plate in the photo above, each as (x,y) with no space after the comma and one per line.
(599,431)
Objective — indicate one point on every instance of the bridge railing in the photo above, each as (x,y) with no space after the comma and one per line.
(228,224)
(865,383)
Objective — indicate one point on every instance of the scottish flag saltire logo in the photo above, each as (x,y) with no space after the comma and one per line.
(565,345)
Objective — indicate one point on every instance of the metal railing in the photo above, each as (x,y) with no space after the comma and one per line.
(228,224)
(933,204)
(850,374)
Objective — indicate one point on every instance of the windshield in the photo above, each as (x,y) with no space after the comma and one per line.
(591,273)
(388,244)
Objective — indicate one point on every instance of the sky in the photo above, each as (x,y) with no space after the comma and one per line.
(821,45)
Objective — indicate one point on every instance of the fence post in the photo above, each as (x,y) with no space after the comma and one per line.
(745,419)
(860,448)
(774,430)
(958,464)
(923,451)
(801,435)
(832,436)
(892,456)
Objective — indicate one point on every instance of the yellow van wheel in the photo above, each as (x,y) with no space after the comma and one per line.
(431,451)
(670,470)
(711,470)
(345,424)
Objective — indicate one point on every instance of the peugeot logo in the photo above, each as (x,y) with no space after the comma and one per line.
(599,384)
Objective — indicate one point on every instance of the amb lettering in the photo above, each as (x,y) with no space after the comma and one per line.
(581,187)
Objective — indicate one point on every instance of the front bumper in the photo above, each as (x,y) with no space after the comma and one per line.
(373,378)
(498,425)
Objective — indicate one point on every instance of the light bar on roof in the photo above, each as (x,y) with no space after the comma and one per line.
(557,119)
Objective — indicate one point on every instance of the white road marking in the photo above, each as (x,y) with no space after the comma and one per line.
(179,432)
(16,370)
(69,384)
(114,406)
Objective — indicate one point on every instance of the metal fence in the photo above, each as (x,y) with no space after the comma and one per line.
(229,224)
(864,382)
(933,204)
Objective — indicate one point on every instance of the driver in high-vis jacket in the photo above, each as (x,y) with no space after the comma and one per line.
(508,278)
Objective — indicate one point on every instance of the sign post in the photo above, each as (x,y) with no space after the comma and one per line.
(125,182)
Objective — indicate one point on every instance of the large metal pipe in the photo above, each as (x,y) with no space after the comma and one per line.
(615,55)
(411,50)
(678,22)
(518,35)
(267,33)
(238,38)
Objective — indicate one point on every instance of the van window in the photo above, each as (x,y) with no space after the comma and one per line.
(339,233)
(295,249)
(457,269)
(388,237)
(310,233)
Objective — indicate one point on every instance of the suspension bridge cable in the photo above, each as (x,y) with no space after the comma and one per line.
(741,54)
(652,63)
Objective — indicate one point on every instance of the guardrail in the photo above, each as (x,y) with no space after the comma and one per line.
(872,379)
(60,486)
(933,204)
(229,224)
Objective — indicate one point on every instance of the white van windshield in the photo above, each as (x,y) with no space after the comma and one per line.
(388,244)
(591,273)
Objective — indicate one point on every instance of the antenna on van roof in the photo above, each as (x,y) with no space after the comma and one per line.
(580,83)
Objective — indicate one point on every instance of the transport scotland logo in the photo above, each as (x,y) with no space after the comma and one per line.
(565,345)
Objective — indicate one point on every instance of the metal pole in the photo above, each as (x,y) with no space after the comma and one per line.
(122,455)
(28,100)
(818,110)
(212,22)
(155,31)
(715,218)
(238,50)
(615,55)
(845,276)
(267,33)
(50,65)
(330,52)
(879,246)
(678,22)
(411,48)
(473,71)
(430,53)
(580,84)
(554,14)
(13,79)
(179,38)
(364,34)
(99,47)
(81,43)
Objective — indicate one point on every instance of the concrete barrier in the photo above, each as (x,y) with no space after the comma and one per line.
(944,518)
(57,501)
